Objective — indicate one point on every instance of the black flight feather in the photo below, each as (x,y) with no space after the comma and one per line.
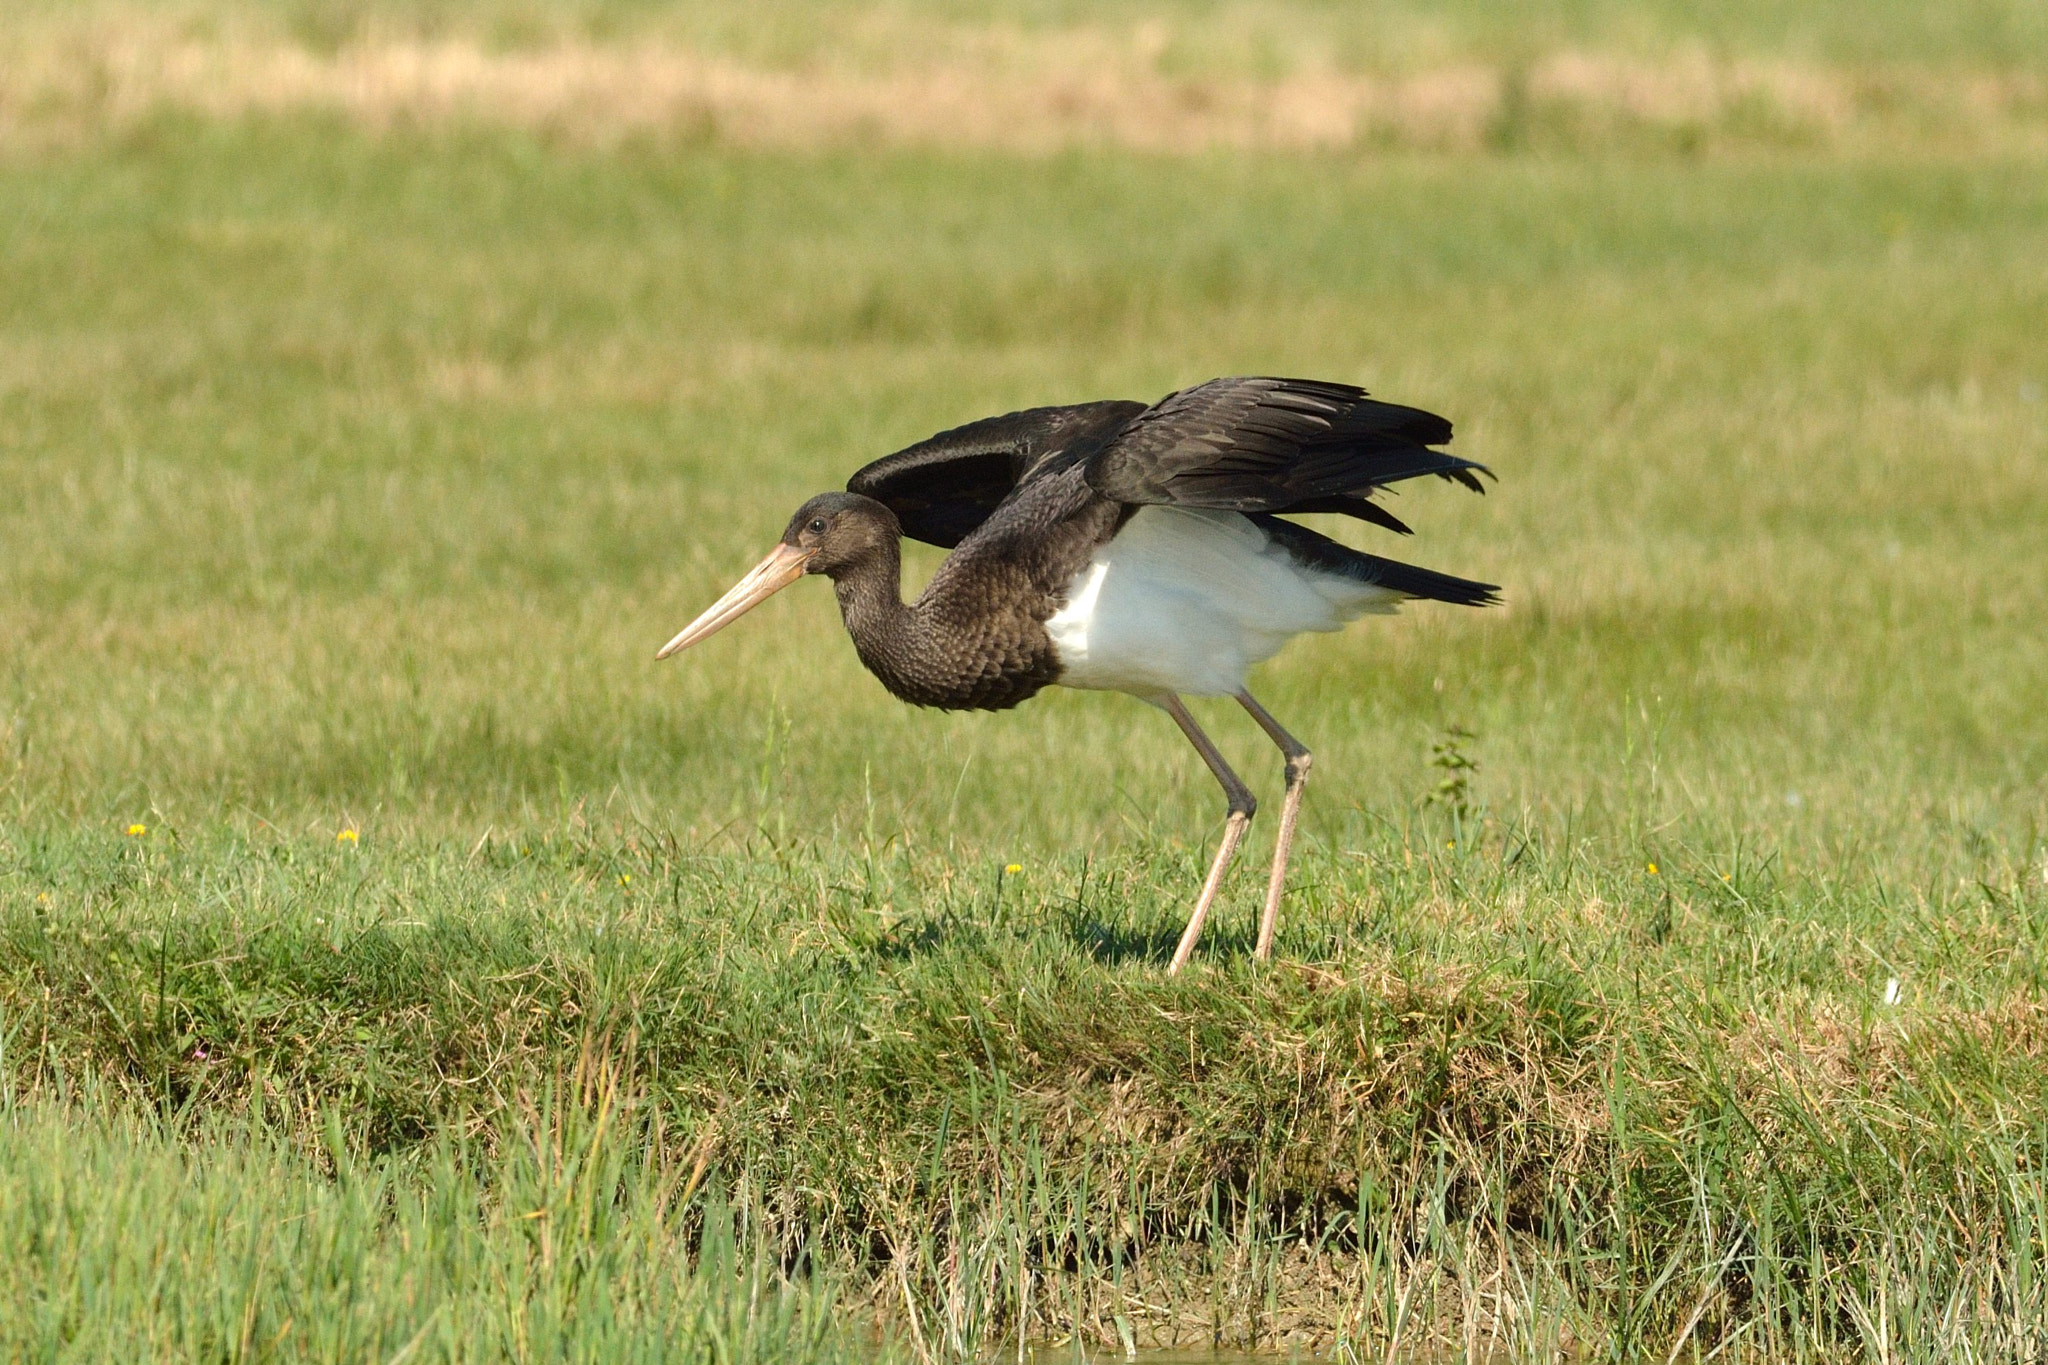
(1259,444)
(1321,553)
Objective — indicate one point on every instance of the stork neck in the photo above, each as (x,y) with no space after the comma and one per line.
(968,640)
(870,593)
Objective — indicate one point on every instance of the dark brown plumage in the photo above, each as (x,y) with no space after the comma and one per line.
(1060,573)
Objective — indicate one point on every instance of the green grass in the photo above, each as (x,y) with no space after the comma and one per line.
(353,480)
(232,1246)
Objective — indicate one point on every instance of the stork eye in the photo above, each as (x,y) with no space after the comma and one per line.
(817,526)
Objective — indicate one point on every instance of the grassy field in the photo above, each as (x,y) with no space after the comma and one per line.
(394,961)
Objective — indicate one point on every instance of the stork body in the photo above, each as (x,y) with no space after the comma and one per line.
(1122,547)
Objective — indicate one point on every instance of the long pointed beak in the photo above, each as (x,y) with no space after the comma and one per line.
(783,566)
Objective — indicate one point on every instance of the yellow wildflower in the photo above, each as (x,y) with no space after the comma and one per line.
(1653,869)
(625,879)
(346,836)
(1014,867)
(137,831)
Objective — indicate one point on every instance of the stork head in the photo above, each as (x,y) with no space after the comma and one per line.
(830,534)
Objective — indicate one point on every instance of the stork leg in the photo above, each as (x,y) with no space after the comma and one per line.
(1242,807)
(1298,761)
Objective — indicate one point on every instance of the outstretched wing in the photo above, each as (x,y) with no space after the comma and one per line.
(943,487)
(1275,445)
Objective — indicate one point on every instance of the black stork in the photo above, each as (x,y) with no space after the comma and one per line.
(1125,547)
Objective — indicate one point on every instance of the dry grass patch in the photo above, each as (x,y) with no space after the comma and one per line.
(1009,90)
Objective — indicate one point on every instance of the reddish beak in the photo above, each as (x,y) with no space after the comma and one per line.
(783,566)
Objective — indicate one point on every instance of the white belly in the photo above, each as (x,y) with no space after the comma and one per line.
(1186,600)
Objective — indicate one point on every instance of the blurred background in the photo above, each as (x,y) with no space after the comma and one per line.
(380,383)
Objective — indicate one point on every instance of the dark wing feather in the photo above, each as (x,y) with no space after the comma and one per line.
(1356,507)
(1320,552)
(1275,445)
(945,486)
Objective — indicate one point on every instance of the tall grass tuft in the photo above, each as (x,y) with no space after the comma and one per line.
(568,1231)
